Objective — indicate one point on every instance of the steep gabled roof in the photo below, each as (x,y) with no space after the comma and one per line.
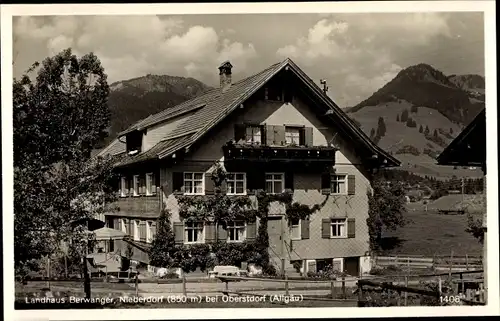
(214,106)
(469,147)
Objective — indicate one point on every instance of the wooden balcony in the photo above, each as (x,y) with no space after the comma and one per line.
(286,154)
(138,206)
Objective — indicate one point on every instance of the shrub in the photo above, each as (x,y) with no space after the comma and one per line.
(404,115)
(409,149)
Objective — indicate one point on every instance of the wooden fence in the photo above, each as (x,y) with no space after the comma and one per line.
(463,290)
(337,288)
(453,263)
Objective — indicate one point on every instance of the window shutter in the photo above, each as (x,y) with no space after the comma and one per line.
(251,231)
(179,232)
(142,184)
(153,184)
(239,132)
(279,135)
(223,187)
(177,182)
(269,135)
(351,185)
(209,184)
(288,180)
(302,136)
(130,231)
(304,229)
(325,228)
(326,183)
(127,186)
(351,227)
(116,224)
(209,232)
(308,136)
(153,230)
(142,231)
(263,136)
(120,187)
(221,233)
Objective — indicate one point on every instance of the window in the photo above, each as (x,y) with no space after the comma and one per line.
(149,184)
(253,135)
(123,226)
(338,227)
(275,183)
(271,93)
(292,135)
(236,231)
(135,185)
(236,183)
(123,186)
(149,232)
(136,230)
(134,142)
(193,232)
(193,183)
(339,184)
(295,229)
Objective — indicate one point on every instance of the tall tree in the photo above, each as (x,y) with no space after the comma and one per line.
(386,210)
(435,133)
(397,117)
(404,115)
(163,246)
(58,116)
(372,133)
(420,129)
(427,130)
(381,129)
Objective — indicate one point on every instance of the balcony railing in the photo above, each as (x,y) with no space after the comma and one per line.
(287,153)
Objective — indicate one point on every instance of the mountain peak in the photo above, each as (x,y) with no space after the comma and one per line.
(424,72)
(422,85)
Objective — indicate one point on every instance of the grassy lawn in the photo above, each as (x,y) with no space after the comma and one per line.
(432,234)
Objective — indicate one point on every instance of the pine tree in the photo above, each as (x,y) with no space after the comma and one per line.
(397,117)
(163,246)
(451,131)
(421,129)
(427,130)
(381,129)
(435,133)
(404,115)
(372,133)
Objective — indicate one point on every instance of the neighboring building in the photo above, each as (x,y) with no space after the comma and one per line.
(275,130)
(469,149)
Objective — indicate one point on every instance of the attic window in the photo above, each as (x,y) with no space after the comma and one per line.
(273,94)
(134,143)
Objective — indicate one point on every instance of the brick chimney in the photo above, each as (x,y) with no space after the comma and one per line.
(225,75)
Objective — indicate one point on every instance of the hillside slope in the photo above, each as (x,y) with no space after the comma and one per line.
(438,106)
(135,99)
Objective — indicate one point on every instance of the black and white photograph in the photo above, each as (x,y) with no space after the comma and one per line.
(183,159)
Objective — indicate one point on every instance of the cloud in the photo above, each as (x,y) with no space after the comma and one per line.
(131,46)
(359,51)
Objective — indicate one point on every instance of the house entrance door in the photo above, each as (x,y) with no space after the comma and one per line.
(275,243)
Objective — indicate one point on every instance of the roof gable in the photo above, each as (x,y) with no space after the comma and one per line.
(459,152)
(214,106)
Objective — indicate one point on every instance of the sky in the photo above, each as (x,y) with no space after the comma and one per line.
(357,53)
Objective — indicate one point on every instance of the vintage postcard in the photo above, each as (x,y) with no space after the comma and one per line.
(266,158)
